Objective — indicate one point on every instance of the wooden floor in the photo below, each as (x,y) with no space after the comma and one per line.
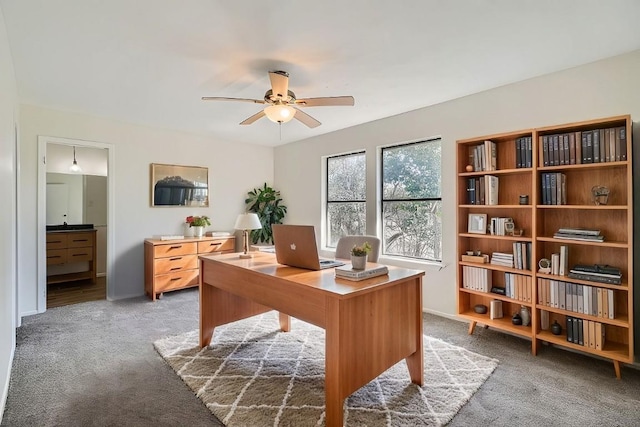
(68,293)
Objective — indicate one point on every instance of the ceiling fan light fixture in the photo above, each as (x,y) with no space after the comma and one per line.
(279,113)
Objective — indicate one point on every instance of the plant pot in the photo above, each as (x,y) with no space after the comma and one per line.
(358,262)
(198,231)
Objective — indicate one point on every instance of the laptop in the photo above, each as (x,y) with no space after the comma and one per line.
(295,246)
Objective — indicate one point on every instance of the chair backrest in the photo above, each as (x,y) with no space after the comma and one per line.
(343,248)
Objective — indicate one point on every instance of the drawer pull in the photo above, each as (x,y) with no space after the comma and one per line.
(53,256)
(175,259)
(80,240)
(176,278)
(55,241)
(176,268)
(175,247)
(80,254)
(214,244)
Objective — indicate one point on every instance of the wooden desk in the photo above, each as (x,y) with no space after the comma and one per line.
(370,325)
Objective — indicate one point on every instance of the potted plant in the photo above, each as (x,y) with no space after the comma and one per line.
(198,223)
(359,256)
(267,204)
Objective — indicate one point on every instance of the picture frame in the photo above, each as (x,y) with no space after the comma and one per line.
(177,185)
(477,224)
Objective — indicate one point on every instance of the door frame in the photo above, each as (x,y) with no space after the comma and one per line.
(41,234)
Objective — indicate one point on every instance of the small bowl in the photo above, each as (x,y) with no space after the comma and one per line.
(480,308)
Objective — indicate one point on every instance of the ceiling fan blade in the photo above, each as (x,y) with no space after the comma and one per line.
(279,83)
(253,118)
(326,101)
(306,119)
(222,98)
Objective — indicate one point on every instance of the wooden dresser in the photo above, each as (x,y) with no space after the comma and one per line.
(170,265)
(71,247)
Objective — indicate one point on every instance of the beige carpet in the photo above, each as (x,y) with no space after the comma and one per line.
(255,375)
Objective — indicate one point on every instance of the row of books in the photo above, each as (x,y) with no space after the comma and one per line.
(497,225)
(579,234)
(523,152)
(586,333)
(483,157)
(560,261)
(517,287)
(554,188)
(584,299)
(482,190)
(592,146)
(476,278)
(522,255)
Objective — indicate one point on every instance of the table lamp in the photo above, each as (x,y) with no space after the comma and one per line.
(245,222)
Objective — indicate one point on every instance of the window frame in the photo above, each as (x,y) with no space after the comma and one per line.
(380,202)
(327,202)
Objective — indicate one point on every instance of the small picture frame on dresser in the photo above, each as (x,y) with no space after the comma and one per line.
(477,224)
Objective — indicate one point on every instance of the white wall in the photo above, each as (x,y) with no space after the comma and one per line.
(8,121)
(605,88)
(234,169)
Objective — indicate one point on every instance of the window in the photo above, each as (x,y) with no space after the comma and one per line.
(412,200)
(346,196)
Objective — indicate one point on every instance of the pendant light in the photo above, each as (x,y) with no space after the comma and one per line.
(74,166)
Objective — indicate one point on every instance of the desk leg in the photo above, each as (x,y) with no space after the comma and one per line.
(415,361)
(285,322)
(207,324)
(332,379)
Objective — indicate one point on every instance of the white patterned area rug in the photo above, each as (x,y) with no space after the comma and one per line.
(255,375)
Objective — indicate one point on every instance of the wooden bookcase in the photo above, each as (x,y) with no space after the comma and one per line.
(538,223)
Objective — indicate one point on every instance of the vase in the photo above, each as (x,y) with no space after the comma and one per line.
(188,231)
(525,315)
(556,329)
(198,231)
(358,262)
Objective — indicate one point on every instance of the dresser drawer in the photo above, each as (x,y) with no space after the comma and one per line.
(222,245)
(176,263)
(56,240)
(79,240)
(183,279)
(175,249)
(56,256)
(79,254)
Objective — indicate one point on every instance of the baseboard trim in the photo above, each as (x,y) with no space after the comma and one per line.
(442,314)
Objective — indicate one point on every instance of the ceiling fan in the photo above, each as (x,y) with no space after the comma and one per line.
(282,102)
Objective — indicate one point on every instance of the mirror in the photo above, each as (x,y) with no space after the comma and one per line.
(173,185)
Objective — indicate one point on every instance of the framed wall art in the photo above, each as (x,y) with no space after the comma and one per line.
(175,185)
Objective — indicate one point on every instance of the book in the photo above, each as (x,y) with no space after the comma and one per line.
(581,231)
(491,190)
(495,310)
(621,141)
(347,272)
(564,260)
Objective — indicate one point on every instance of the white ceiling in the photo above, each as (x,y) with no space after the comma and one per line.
(150,61)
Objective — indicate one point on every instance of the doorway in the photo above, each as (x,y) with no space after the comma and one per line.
(73,203)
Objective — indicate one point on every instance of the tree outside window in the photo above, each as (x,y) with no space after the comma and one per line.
(346,196)
(412,200)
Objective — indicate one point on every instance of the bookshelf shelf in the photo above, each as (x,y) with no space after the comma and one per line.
(621,321)
(596,153)
(605,244)
(583,207)
(503,323)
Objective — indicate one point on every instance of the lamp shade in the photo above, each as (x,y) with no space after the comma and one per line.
(279,113)
(248,221)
